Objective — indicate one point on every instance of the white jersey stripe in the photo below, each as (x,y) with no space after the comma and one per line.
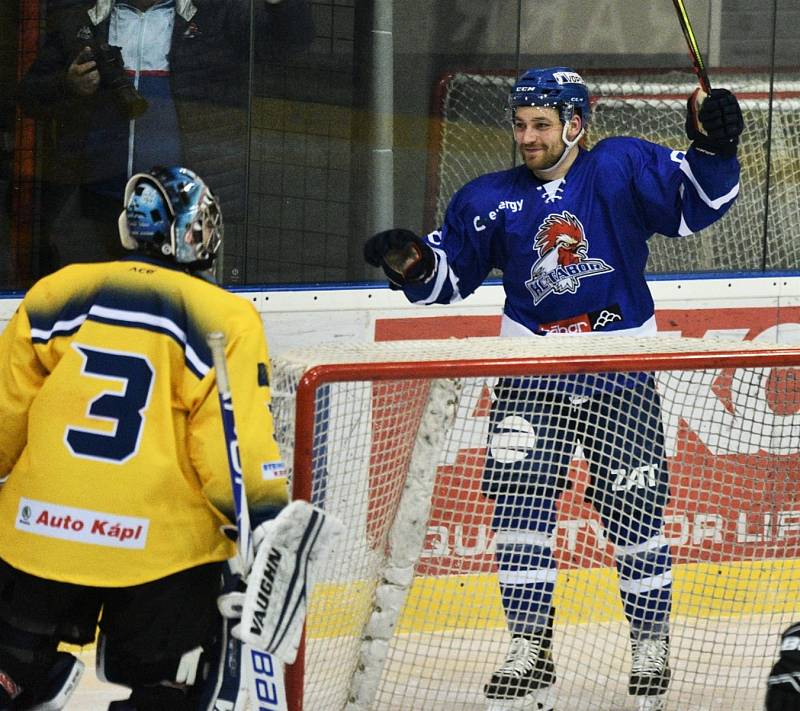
(717,203)
(136,318)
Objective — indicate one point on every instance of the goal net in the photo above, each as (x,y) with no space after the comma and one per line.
(471,135)
(392,438)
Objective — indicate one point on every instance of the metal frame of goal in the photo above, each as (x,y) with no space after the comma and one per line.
(391,438)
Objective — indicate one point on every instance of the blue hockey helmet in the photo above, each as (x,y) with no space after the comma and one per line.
(559,87)
(172,212)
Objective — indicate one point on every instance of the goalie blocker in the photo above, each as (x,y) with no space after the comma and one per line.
(289,551)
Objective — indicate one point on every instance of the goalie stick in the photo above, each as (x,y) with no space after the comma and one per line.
(264,686)
(691,42)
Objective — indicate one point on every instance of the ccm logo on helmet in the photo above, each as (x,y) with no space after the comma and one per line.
(568,78)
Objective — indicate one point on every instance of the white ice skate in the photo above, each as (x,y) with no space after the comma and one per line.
(650,673)
(525,680)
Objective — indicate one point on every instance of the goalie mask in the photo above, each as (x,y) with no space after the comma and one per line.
(170,212)
(559,87)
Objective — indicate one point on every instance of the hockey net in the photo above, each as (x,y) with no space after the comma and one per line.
(391,437)
(471,135)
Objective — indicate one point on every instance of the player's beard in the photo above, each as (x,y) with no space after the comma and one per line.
(541,157)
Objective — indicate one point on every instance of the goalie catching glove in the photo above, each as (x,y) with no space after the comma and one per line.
(289,550)
(404,257)
(714,121)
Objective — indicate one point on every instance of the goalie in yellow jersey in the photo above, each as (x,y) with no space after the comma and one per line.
(115,492)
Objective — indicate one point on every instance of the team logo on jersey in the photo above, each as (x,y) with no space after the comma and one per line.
(563,257)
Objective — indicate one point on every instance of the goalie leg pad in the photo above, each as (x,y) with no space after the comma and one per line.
(52,693)
(61,682)
(32,672)
(289,551)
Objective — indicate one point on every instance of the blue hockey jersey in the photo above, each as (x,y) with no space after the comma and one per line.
(573,251)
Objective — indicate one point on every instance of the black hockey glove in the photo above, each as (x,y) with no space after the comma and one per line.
(783,685)
(404,257)
(716,127)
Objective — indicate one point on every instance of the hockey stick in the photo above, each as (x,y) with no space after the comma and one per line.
(263,673)
(694,50)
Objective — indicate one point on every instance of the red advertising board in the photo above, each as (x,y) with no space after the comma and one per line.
(725,505)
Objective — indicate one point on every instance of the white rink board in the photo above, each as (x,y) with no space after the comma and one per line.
(296,317)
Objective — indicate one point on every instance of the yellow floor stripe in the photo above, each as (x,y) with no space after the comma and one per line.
(705,590)
(435,604)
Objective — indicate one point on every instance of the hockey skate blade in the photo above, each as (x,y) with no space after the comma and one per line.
(652,703)
(541,700)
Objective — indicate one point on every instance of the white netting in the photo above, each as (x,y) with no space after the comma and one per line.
(378,638)
(475,138)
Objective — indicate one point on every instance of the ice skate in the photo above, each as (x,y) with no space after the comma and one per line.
(650,672)
(651,703)
(526,678)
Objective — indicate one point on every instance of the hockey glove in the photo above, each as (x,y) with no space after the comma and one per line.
(716,126)
(404,257)
(289,551)
(783,685)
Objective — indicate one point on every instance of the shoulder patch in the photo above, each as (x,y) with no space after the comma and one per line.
(263,375)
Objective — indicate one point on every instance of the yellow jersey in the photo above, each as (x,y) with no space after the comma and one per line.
(113,462)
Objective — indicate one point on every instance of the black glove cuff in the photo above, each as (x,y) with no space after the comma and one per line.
(723,148)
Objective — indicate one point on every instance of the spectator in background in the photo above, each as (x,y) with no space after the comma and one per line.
(185,101)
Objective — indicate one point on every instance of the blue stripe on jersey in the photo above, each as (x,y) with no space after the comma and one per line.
(128,309)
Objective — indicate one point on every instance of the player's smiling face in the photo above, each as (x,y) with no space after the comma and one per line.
(537,132)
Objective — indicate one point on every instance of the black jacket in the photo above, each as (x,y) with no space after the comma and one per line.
(209,77)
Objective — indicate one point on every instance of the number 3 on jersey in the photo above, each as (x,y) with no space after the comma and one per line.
(124,407)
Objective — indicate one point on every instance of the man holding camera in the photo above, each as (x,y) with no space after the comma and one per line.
(126,84)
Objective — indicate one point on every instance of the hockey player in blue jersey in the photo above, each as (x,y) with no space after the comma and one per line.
(569,229)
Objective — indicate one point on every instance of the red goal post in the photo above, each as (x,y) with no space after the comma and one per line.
(391,438)
(470,135)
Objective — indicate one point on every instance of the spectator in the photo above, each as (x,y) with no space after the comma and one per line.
(189,60)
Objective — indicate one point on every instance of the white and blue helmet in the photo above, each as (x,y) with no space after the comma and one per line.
(171,212)
(559,87)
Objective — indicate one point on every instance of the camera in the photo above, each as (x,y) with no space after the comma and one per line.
(113,76)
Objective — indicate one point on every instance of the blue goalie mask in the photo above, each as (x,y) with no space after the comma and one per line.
(172,213)
(559,87)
